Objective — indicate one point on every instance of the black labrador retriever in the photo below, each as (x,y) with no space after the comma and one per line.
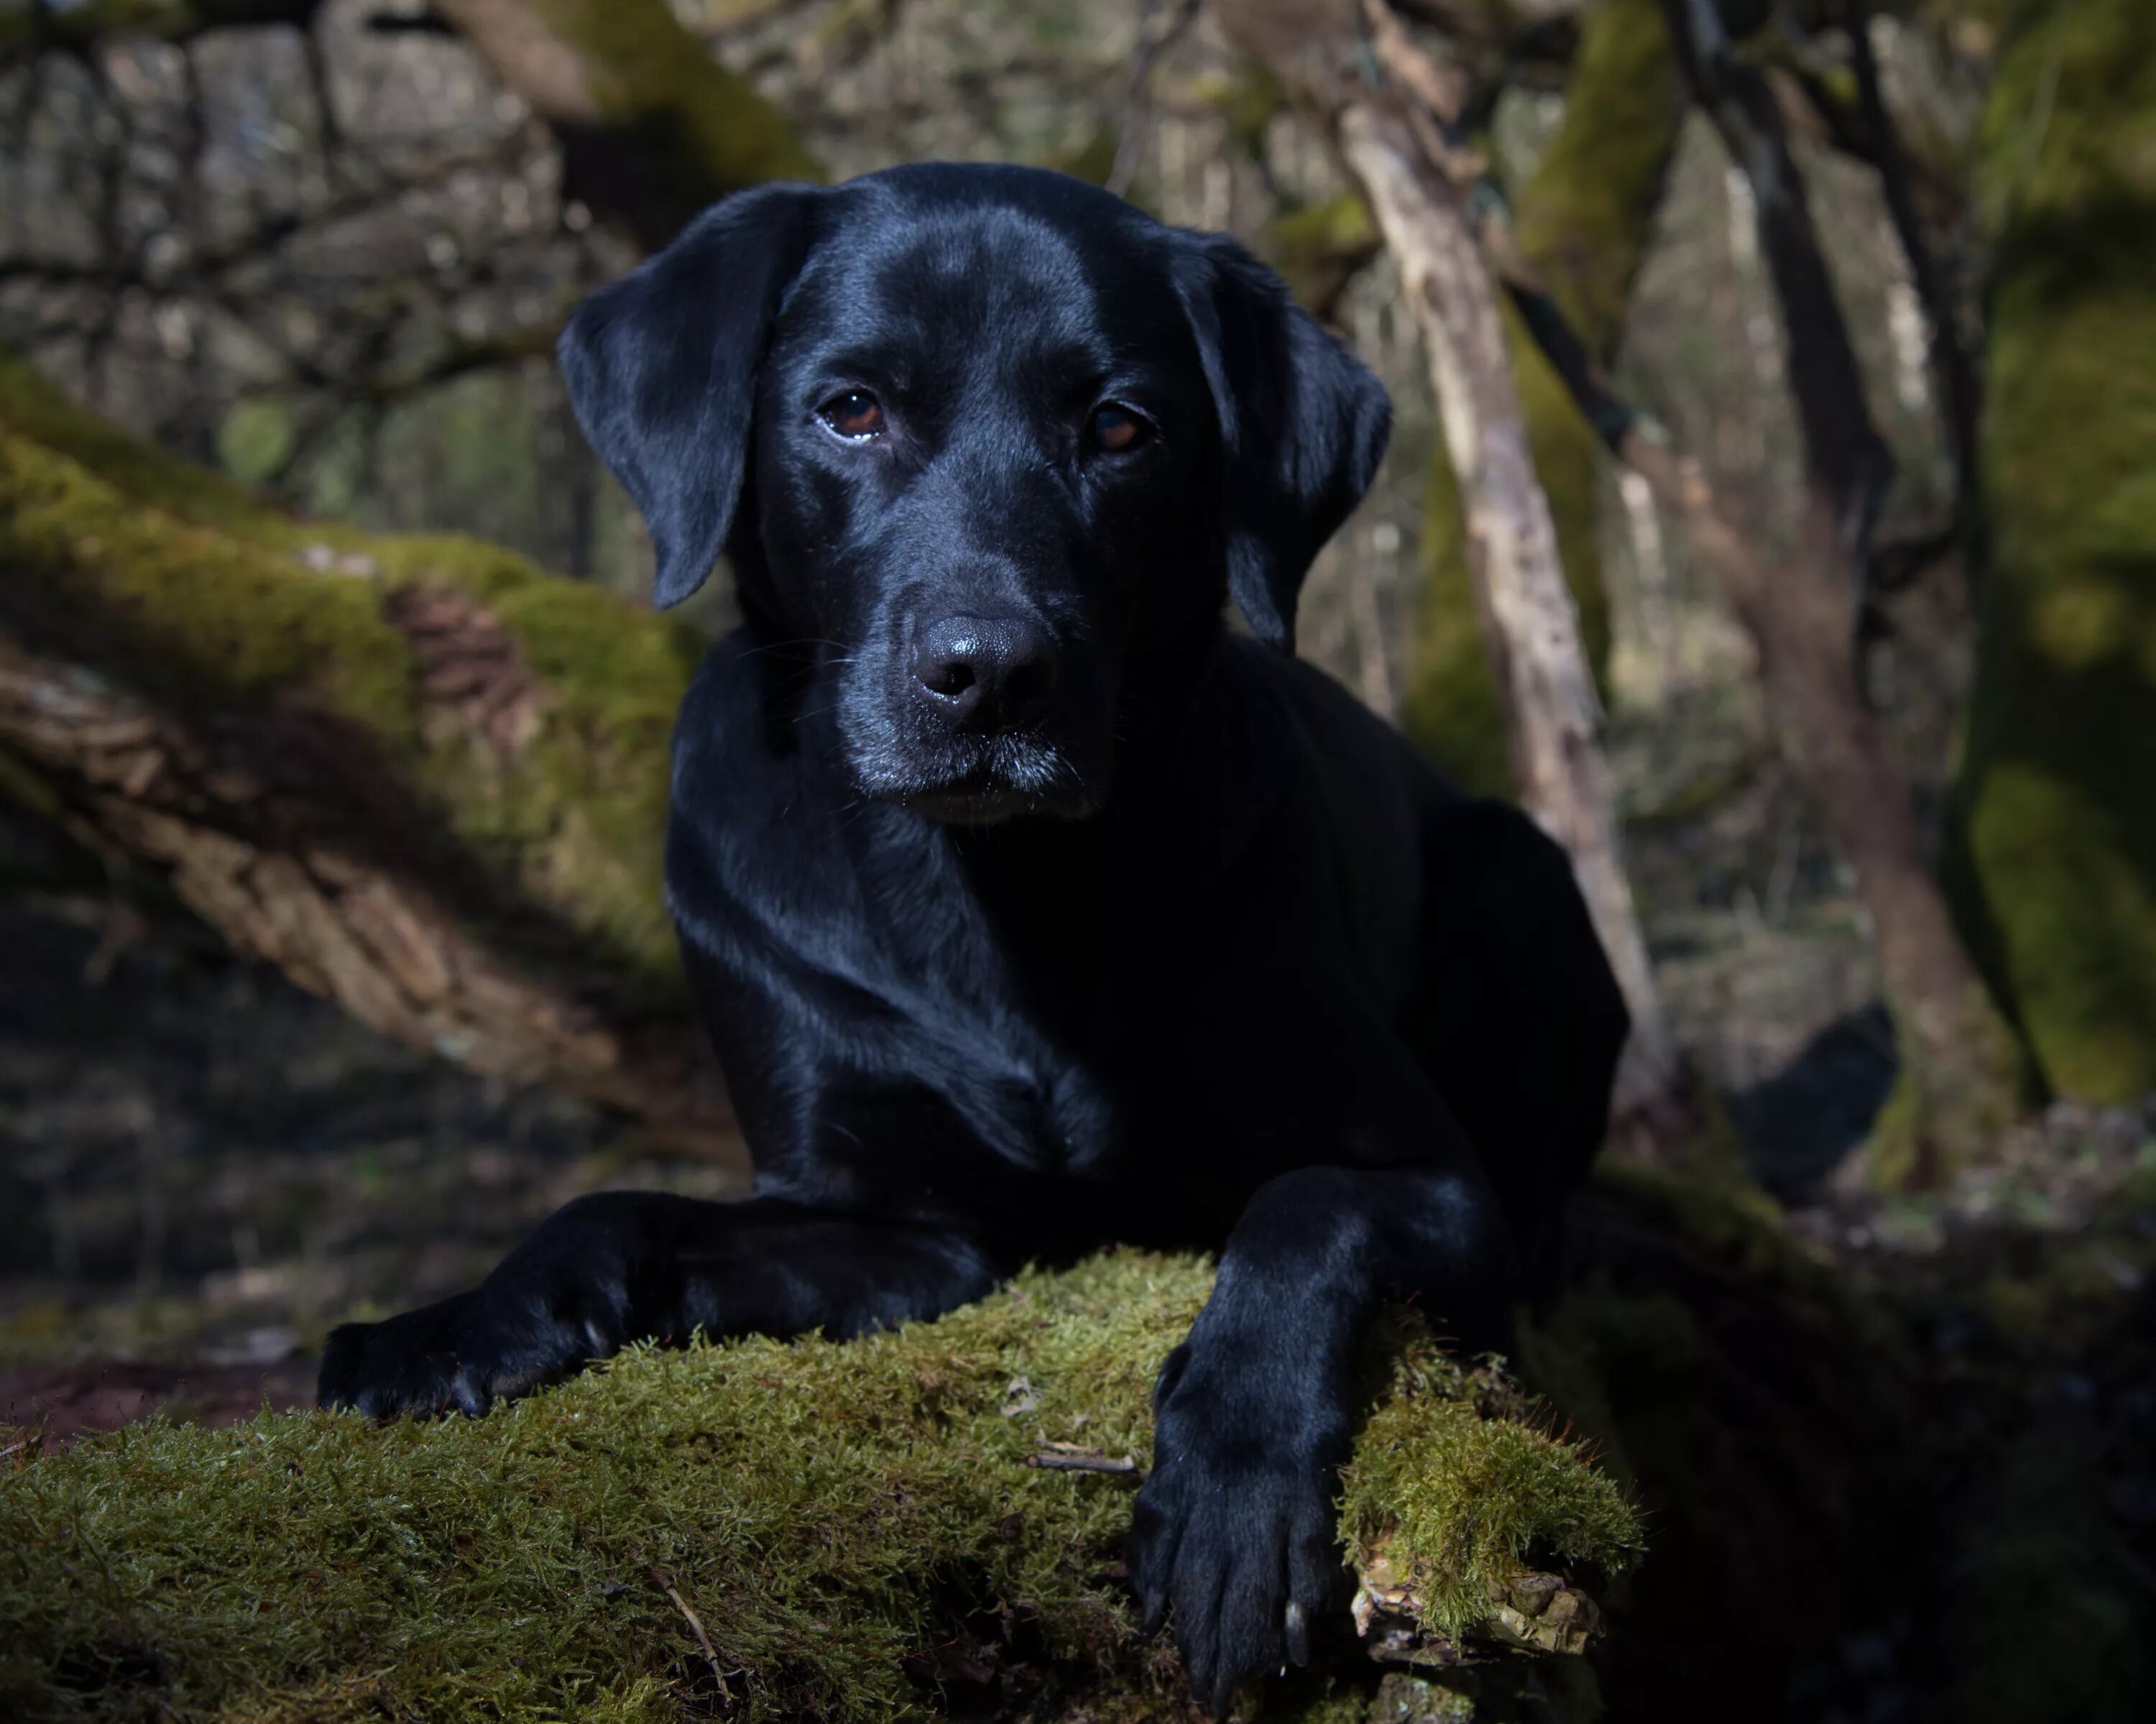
(1029,908)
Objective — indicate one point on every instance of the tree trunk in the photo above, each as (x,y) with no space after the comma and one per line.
(1583,225)
(653,127)
(1960,1079)
(422,776)
(1407,172)
(2053,852)
(1958,1057)
(1553,718)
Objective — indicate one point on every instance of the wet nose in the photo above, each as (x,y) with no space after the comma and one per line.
(994,673)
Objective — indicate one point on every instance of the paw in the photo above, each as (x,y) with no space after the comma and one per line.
(559,1302)
(1234,1534)
(407,1364)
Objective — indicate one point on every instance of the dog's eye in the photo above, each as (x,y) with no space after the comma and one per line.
(856,414)
(1116,428)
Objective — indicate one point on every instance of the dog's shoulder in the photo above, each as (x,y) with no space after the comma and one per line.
(1321,753)
(751,823)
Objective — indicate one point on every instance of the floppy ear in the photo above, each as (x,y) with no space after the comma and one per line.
(661,370)
(1303,426)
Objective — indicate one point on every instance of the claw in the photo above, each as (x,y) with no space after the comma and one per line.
(1297,1624)
(471,1393)
(1153,1615)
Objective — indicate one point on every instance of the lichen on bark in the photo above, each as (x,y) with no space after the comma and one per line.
(2052,855)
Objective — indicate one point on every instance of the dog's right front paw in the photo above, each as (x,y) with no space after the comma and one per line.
(407,1364)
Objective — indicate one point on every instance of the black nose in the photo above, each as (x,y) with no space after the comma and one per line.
(996,673)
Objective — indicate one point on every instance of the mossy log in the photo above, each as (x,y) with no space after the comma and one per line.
(886,1527)
(1583,223)
(422,776)
(2054,835)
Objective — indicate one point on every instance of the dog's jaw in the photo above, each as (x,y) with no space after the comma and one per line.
(1012,777)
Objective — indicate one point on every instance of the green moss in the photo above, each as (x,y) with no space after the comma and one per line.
(707,124)
(256,440)
(2053,863)
(1458,1500)
(188,588)
(1317,247)
(828,1511)
(1568,457)
(1451,707)
(32,407)
(1586,220)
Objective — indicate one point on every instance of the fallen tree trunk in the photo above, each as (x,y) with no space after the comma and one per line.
(420,776)
(890,1526)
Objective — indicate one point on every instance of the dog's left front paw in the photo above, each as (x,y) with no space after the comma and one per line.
(405,1364)
(1234,1531)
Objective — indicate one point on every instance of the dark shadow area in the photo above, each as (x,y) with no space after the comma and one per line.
(1798,1124)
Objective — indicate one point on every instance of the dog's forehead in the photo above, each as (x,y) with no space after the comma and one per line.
(923,273)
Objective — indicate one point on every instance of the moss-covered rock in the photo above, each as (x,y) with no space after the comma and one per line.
(1584,223)
(2053,861)
(852,1528)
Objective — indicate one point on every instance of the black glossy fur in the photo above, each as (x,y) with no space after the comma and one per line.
(1030,909)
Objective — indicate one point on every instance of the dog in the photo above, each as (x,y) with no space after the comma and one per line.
(1029,906)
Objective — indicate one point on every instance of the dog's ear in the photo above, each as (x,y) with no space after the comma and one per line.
(1303,426)
(661,370)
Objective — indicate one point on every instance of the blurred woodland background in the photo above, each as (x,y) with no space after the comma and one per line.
(332,719)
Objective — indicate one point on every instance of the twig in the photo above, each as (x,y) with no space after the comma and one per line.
(1441,89)
(1074,1458)
(1961,403)
(1138,98)
(664,1581)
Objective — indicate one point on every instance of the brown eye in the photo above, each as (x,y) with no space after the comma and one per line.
(856,415)
(1116,428)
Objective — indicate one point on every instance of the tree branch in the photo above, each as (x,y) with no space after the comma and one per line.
(1847,457)
(419,776)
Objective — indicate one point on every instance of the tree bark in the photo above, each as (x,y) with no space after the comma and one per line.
(1959,1083)
(1531,627)
(421,776)
(2052,853)
(1552,718)
(1583,223)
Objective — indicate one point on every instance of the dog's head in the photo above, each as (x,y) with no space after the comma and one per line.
(980,440)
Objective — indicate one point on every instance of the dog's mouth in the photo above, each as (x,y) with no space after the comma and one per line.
(984,796)
(982,781)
